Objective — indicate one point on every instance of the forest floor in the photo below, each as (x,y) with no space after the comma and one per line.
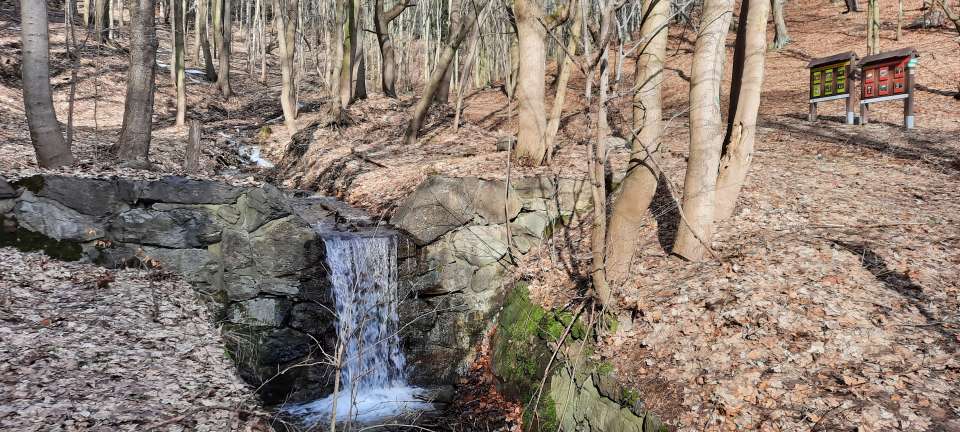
(833,302)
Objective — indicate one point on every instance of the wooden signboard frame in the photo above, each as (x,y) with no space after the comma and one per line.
(888,76)
(831,78)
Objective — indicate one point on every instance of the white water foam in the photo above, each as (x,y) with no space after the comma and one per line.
(363,272)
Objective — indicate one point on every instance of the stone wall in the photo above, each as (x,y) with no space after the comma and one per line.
(254,252)
(454,268)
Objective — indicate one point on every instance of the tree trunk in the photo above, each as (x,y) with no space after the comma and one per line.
(532,117)
(359,73)
(191,158)
(429,92)
(287,32)
(781,38)
(101,19)
(52,150)
(899,20)
(223,78)
(563,79)
(388,61)
(203,12)
(873,27)
(179,52)
(134,143)
(640,183)
(349,53)
(443,93)
(744,105)
(706,139)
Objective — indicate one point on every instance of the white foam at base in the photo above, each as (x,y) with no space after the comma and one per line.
(369,406)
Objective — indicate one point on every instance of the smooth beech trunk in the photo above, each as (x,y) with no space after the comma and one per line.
(349,58)
(134,143)
(531,111)
(52,150)
(745,105)
(640,183)
(287,33)
(706,132)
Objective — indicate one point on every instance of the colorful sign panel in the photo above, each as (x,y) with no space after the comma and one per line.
(888,78)
(829,80)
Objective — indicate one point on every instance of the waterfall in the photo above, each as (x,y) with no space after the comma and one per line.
(363,274)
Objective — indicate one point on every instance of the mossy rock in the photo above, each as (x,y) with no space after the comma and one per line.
(519,354)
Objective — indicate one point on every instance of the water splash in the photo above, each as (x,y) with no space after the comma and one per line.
(363,273)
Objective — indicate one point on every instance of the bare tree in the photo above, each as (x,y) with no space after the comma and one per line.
(781,37)
(531,111)
(179,54)
(287,29)
(203,12)
(52,150)
(453,23)
(640,183)
(388,61)
(223,47)
(873,27)
(134,143)
(101,20)
(446,58)
(748,64)
(563,77)
(706,138)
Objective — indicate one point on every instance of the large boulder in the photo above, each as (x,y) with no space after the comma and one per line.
(182,190)
(89,196)
(179,228)
(438,206)
(480,244)
(55,220)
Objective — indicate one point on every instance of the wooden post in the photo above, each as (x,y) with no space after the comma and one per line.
(191,160)
(864,110)
(850,116)
(908,102)
(813,111)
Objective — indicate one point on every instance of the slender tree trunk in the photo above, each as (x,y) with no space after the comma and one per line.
(101,19)
(429,92)
(52,150)
(134,143)
(532,117)
(191,159)
(223,78)
(388,61)
(358,75)
(443,93)
(899,20)
(640,183)
(203,12)
(349,53)
(287,32)
(781,38)
(179,52)
(563,80)
(744,107)
(706,138)
(873,26)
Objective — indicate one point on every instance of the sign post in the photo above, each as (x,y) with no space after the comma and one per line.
(830,79)
(888,76)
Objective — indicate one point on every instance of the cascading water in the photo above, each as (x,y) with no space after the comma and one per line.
(363,273)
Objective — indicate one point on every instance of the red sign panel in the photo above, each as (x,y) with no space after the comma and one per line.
(885,79)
